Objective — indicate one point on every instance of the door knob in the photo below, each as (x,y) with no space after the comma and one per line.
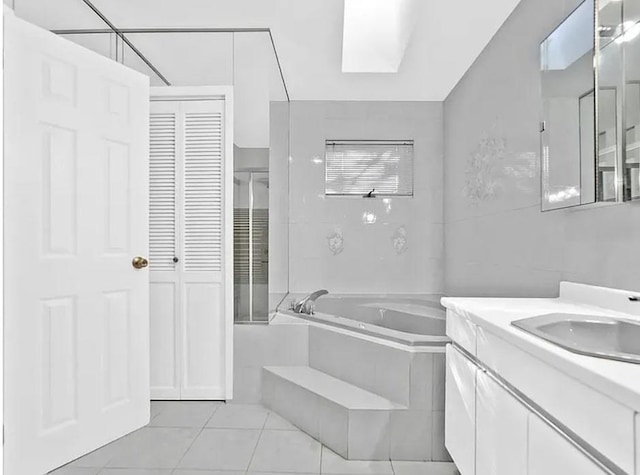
(139,262)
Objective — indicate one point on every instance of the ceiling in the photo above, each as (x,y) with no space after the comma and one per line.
(429,44)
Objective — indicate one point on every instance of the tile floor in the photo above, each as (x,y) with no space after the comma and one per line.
(210,438)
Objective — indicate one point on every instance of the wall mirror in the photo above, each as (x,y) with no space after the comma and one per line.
(569,111)
(631,45)
(590,129)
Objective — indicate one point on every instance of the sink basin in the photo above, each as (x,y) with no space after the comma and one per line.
(593,335)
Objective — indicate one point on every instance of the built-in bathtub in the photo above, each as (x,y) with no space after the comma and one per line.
(408,320)
(391,346)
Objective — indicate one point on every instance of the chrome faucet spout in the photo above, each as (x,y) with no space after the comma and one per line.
(305,305)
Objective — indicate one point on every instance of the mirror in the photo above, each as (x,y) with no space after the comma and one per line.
(569,111)
(609,70)
(631,44)
(609,64)
(590,135)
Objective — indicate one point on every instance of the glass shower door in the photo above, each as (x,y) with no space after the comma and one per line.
(251,246)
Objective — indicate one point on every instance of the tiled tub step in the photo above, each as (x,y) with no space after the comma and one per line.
(378,368)
(350,420)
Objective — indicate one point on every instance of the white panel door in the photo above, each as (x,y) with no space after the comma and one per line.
(76,213)
(460,410)
(189,249)
(501,430)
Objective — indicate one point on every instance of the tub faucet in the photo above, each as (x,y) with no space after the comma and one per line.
(305,305)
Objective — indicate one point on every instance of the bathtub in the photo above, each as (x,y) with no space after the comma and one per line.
(417,321)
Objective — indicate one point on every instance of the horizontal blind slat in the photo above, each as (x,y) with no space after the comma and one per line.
(356,167)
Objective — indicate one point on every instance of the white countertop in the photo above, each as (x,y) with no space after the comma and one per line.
(617,380)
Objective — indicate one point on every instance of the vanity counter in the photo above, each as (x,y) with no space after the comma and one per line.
(618,380)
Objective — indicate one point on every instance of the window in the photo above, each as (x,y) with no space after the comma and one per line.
(357,167)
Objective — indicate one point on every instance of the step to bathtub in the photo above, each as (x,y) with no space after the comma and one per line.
(349,420)
(379,369)
(333,389)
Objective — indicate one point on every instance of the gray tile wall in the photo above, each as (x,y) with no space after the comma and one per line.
(256,346)
(497,242)
(367,261)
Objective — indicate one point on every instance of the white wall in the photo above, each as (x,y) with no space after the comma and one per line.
(498,242)
(278,203)
(368,263)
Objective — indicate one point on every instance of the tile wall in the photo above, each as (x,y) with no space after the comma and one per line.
(497,242)
(356,245)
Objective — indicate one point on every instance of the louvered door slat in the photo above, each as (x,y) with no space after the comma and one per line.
(162,191)
(203,191)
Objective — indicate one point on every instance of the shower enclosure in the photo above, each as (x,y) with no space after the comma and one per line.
(251,245)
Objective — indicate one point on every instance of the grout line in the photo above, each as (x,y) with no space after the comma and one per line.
(321,454)
(254,450)
(264,425)
(195,438)
(106,464)
(229,428)
(217,406)
(259,437)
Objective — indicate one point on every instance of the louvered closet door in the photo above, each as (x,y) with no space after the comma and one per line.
(164,133)
(202,287)
(186,223)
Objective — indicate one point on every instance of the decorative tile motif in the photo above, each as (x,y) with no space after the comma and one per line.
(399,240)
(336,242)
(369,217)
(481,174)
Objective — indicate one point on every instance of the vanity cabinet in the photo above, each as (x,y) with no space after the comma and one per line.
(552,454)
(492,428)
(501,430)
(460,410)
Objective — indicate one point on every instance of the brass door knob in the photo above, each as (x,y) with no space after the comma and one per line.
(139,262)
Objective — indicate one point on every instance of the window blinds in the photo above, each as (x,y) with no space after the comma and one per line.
(357,167)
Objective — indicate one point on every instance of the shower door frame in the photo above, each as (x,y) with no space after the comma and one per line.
(252,172)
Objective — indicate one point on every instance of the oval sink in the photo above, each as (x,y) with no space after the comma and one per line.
(593,335)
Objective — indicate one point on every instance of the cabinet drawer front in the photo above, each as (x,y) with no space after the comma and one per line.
(600,421)
(637,444)
(552,454)
(501,430)
(462,331)
(460,410)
